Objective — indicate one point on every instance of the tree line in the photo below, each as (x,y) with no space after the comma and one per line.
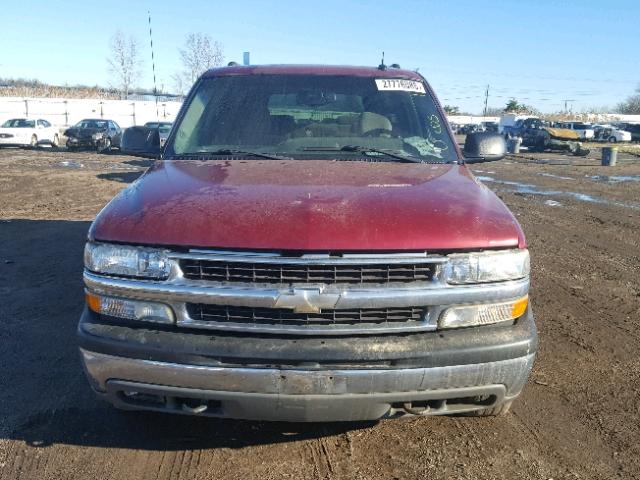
(630,106)
(198,54)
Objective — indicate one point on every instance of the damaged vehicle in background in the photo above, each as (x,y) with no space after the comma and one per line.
(611,134)
(310,246)
(98,134)
(539,136)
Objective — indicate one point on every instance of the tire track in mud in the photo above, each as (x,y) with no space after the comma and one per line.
(332,456)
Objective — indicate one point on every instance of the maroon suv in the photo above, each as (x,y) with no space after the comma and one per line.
(310,246)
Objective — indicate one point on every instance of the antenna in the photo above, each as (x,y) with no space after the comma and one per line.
(382,66)
(153,67)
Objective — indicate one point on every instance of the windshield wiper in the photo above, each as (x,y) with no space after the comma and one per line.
(233,151)
(365,150)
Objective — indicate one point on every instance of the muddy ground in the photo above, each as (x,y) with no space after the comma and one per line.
(579,416)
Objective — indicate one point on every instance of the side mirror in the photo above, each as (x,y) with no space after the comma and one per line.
(141,142)
(484,147)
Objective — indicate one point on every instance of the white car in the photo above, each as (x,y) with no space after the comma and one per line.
(609,133)
(24,132)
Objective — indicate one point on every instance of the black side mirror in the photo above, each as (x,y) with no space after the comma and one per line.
(484,147)
(141,142)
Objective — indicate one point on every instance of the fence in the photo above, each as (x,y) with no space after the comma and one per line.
(64,112)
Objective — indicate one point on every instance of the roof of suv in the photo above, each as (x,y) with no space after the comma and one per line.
(314,70)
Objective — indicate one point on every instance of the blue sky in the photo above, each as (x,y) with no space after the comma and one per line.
(539,51)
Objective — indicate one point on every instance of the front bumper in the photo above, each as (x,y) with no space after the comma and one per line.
(307,379)
(87,142)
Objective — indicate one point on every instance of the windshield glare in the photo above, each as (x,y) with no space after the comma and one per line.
(298,115)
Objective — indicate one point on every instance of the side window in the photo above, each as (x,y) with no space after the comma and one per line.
(115,126)
(46,123)
(41,123)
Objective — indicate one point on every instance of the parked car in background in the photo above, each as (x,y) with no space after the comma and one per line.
(470,128)
(24,132)
(164,128)
(508,121)
(490,127)
(632,128)
(540,136)
(99,134)
(584,129)
(609,133)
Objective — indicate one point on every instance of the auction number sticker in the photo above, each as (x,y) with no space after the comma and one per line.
(400,85)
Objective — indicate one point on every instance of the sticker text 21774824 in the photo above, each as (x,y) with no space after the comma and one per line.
(400,85)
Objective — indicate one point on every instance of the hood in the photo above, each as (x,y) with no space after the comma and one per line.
(563,133)
(315,205)
(82,132)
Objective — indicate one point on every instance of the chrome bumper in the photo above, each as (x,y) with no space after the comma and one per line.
(304,395)
(177,291)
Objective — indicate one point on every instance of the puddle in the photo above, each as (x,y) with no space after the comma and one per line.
(552,175)
(552,203)
(614,178)
(528,189)
(71,164)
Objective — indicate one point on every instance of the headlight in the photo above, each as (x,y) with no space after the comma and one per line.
(486,267)
(126,261)
(483,314)
(130,309)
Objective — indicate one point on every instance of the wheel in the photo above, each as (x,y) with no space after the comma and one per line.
(56,141)
(497,411)
(106,148)
(613,139)
(34,141)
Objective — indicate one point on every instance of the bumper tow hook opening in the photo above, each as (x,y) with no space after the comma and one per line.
(193,407)
(421,408)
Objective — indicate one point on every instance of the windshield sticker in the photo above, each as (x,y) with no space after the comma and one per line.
(396,84)
(424,146)
(434,121)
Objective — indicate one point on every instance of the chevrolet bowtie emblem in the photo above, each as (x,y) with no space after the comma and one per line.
(307,300)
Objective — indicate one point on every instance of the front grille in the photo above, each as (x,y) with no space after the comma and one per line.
(276,273)
(281,316)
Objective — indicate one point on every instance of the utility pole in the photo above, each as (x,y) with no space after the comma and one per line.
(565,105)
(486,101)
(153,66)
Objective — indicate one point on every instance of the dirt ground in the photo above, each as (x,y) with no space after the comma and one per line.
(579,416)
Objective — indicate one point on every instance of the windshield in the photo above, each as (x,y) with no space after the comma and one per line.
(19,123)
(312,115)
(91,124)
(163,127)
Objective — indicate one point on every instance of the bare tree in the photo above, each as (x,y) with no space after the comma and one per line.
(631,106)
(451,110)
(124,62)
(199,54)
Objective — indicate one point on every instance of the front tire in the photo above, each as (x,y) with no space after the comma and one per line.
(613,139)
(106,148)
(34,141)
(56,141)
